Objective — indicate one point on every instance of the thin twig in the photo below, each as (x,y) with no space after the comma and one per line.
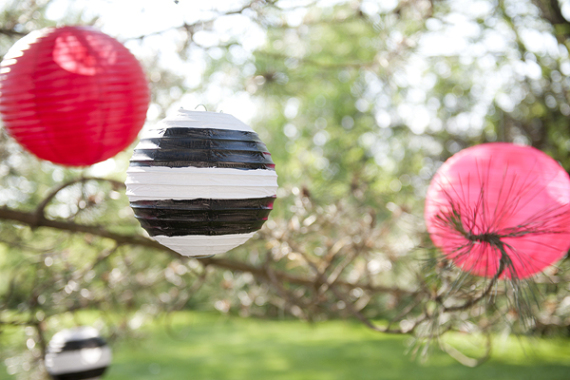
(40,210)
(29,218)
(502,265)
(464,359)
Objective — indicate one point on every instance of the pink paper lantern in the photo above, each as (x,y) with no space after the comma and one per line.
(72,95)
(500,195)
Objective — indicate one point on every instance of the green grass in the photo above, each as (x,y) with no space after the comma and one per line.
(205,346)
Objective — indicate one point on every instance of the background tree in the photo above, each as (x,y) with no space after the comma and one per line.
(359,103)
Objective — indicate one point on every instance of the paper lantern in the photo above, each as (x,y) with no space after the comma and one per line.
(201,183)
(77,354)
(72,95)
(500,196)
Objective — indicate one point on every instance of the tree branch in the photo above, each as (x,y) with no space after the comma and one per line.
(369,323)
(551,12)
(503,262)
(464,359)
(40,210)
(11,32)
(30,219)
(191,27)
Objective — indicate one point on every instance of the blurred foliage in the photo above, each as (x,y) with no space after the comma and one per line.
(209,346)
(359,103)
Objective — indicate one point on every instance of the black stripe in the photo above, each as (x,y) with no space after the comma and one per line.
(233,215)
(74,345)
(204,164)
(206,204)
(202,216)
(189,143)
(201,147)
(181,228)
(97,372)
(200,155)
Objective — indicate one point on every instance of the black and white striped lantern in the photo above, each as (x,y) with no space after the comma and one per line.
(77,354)
(201,183)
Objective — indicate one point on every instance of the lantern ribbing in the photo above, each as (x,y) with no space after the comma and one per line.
(72,95)
(500,199)
(201,183)
(77,354)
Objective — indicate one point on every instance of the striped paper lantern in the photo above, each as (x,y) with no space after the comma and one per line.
(500,199)
(77,354)
(201,183)
(72,95)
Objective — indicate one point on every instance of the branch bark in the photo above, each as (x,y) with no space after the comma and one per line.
(30,219)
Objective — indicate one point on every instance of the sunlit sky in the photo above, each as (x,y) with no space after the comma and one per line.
(457,34)
(127,19)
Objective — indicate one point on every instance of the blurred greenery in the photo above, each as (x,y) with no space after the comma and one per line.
(359,102)
(205,346)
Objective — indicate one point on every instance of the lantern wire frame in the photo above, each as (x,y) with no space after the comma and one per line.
(476,231)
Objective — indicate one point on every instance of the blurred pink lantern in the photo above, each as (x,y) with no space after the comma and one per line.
(500,206)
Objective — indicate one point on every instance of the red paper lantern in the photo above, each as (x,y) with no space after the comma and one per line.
(72,95)
(496,200)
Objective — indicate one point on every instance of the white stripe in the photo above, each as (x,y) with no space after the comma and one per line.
(198,119)
(202,245)
(160,182)
(78,360)
(73,334)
